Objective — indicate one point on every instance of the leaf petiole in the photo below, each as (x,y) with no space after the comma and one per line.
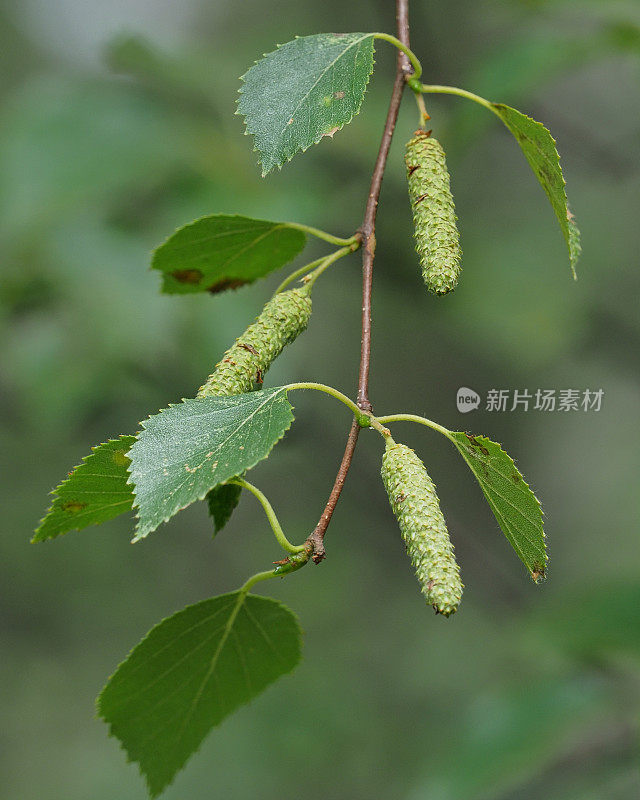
(291,564)
(329,260)
(321,387)
(271,516)
(415,418)
(310,272)
(415,63)
(298,274)
(363,418)
(426,88)
(326,237)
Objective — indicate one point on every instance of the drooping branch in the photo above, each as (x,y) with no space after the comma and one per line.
(368,235)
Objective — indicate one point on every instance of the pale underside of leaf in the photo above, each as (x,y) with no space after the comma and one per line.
(539,148)
(223,251)
(187,449)
(308,88)
(190,672)
(515,507)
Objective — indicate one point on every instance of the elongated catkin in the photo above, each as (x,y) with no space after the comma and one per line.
(244,364)
(434,214)
(415,503)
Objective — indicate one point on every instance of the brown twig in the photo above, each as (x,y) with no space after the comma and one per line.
(367,232)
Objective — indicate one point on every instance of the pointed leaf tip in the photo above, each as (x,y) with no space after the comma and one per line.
(304,90)
(224,251)
(187,449)
(539,148)
(514,505)
(94,492)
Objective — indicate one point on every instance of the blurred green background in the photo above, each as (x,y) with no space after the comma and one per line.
(529,691)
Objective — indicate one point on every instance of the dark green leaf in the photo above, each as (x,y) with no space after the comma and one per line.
(539,148)
(223,251)
(187,449)
(221,501)
(515,506)
(190,672)
(306,89)
(96,490)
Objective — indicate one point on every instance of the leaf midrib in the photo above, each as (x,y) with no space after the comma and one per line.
(322,74)
(271,397)
(210,237)
(214,661)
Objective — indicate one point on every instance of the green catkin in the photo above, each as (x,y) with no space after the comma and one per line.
(245,363)
(434,215)
(415,503)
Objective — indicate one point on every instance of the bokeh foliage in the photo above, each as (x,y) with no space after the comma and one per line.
(528,686)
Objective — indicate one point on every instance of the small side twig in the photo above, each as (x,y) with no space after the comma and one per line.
(367,233)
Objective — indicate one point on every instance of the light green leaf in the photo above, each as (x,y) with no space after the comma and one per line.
(190,672)
(539,148)
(96,490)
(224,251)
(306,89)
(515,506)
(187,449)
(221,502)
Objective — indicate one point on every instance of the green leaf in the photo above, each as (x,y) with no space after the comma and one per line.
(224,251)
(190,672)
(306,89)
(95,491)
(515,506)
(539,148)
(221,502)
(187,449)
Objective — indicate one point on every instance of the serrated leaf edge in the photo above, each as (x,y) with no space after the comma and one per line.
(301,150)
(575,248)
(137,537)
(55,492)
(481,438)
(99,715)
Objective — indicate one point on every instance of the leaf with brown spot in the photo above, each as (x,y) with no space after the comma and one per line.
(224,251)
(95,491)
(225,284)
(73,506)
(192,276)
(304,90)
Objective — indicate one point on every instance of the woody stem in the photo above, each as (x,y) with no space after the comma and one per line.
(368,238)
